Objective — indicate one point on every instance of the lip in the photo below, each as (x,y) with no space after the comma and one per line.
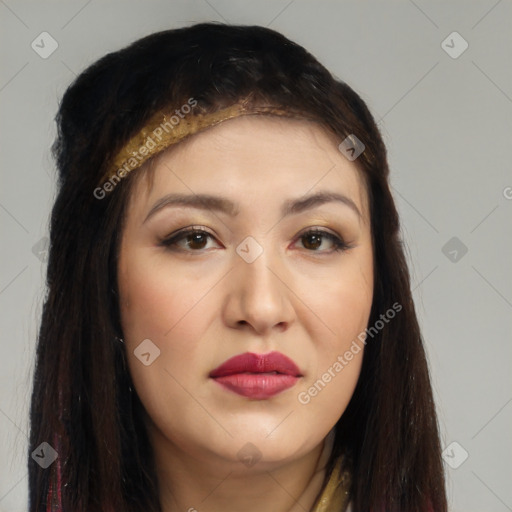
(257,376)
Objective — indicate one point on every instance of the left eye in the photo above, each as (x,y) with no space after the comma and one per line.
(196,239)
(315,238)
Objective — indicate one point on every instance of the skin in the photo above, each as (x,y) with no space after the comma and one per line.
(201,304)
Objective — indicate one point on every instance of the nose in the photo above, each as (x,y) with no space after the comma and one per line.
(259,296)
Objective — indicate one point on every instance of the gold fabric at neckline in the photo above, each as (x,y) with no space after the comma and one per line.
(336,492)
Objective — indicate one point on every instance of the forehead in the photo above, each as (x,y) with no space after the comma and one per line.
(252,155)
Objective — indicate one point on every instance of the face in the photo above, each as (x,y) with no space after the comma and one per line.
(269,268)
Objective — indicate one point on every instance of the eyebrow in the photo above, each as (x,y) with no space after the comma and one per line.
(224,205)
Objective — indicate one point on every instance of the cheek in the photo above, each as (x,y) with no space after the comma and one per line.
(157,302)
(172,309)
(343,301)
(333,377)
(164,307)
(147,304)
(345,304)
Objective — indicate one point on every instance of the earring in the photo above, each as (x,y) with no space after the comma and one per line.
(119,339)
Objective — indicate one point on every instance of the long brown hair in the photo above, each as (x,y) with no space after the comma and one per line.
(83,401)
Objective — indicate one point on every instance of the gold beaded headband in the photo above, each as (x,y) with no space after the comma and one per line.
(164,129)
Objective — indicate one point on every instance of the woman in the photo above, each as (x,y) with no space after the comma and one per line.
(229,323)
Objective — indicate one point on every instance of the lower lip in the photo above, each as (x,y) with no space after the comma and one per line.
(258,386)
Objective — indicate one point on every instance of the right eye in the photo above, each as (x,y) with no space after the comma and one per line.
(195,239)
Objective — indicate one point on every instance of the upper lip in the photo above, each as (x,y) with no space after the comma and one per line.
(257,363)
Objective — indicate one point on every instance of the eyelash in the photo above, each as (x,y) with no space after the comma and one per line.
(339,244)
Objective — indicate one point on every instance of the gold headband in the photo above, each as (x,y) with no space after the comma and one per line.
(162,130)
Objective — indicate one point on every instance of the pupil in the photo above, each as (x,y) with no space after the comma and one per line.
(196,239)
(318,241)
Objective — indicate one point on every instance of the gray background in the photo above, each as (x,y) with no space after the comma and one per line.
(447,123)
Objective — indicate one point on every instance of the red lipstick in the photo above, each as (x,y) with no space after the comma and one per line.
(257,376)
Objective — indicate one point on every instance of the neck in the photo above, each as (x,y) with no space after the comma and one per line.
(188,484)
